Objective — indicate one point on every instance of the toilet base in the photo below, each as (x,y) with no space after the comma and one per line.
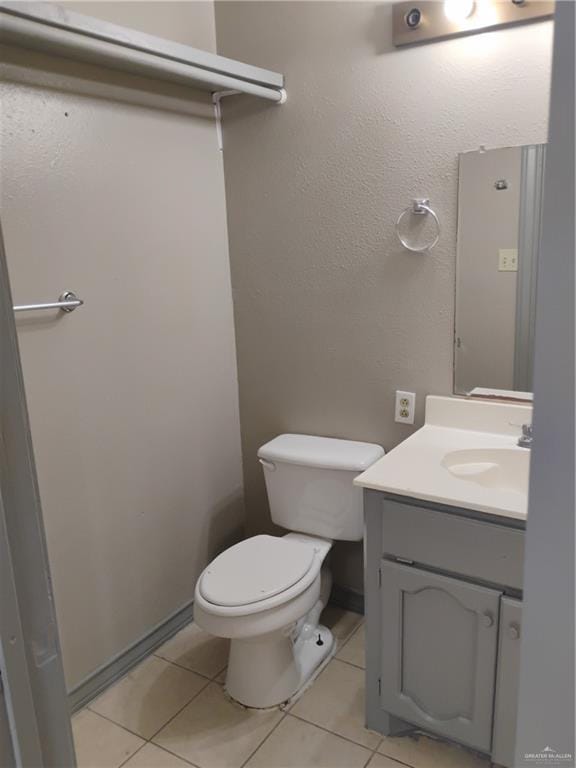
(313,658)
(269,670)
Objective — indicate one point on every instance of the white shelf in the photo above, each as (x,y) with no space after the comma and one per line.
(56,30)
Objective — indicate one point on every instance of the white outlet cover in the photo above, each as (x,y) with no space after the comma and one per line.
(405,407)
(508,260)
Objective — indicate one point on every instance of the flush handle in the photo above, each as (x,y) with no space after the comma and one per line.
(268,465)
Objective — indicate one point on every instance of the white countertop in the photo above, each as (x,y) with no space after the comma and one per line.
(414,468)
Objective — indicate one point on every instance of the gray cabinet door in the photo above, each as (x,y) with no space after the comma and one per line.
(507,679)
(439,638)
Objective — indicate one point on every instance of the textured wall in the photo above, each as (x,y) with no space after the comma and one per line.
(332,315)
(113,186)
(183,21)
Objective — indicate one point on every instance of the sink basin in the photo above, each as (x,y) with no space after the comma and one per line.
(465,456)
(502,468)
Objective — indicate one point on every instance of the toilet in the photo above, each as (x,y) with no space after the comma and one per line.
(267,593)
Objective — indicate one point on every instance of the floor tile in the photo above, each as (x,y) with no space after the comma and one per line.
(353,650)
(196,650)
(221,678)
(148,696)
(336,702)
(151,756)
(380,761)
(423,752)
(341,623)
(100,743)
(295,744)
(214,732)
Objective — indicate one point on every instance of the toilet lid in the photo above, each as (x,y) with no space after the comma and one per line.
(255,569)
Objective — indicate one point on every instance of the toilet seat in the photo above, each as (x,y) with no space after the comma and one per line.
(306,549)
(256,569)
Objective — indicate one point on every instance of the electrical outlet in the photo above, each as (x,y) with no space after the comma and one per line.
(508,260)
(405,407)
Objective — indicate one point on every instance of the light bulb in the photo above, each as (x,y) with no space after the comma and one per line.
(458,10)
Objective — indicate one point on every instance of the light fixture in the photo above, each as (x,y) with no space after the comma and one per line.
(413,18)
(458,10)
(423,21)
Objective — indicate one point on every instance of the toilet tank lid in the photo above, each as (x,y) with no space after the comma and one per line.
(321,452)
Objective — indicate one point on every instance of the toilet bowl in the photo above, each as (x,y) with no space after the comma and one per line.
(267,593)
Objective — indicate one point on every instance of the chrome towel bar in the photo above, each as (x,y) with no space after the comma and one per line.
(67,302)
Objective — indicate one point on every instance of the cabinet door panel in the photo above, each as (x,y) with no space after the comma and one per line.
(507,681)
(439,639)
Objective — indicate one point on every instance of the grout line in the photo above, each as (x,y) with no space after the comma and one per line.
(394,759)
(432,738)
(114,722)
(436,739)
(187,669)
(225,667)
(214,679)
(175,754)
(132,755)
(350,664)
(119,725)
(369,759)
(204,687)
(180,666)
(351,635)
(311,682)
(342,641)
(327,730)
(265,739)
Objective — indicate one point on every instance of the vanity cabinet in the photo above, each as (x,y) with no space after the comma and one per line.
(443,614)
(439,637)
(507,681)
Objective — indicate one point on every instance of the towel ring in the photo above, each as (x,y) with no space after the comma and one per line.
(419,207)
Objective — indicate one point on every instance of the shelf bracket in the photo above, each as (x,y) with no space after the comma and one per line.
(217,97)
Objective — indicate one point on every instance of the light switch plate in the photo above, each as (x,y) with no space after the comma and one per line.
(508,260)
(405,407)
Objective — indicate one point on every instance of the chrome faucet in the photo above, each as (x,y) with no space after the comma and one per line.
(525,439)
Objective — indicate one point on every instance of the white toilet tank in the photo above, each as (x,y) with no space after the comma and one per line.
(309,484)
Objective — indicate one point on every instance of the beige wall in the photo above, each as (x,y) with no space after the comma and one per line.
(332,315)
(190,22)
(112,186)
(488,220)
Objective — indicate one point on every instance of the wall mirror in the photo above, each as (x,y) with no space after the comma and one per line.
(500,194)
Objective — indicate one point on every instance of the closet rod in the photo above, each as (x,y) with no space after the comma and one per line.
(51,29)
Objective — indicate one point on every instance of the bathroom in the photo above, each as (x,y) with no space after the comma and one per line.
(245,270)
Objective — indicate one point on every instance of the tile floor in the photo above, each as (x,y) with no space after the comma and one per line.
(171,712)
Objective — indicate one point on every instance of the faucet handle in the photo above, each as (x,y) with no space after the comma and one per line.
(526,428)
(527,436)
